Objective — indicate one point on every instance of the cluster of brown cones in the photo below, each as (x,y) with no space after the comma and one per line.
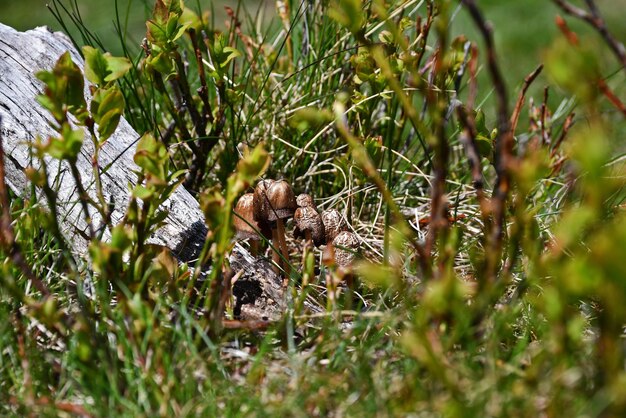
(264,213)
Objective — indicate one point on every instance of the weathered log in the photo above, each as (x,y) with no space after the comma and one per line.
(258,291)
(22,54)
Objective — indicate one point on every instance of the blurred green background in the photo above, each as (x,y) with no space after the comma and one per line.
(523,28)
(27,14)
(100,15)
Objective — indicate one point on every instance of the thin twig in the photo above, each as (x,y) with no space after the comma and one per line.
(199,123)
(83,198)
(438,204)
(566,126)
(468,139)
(504,143)
(594,18)
(473,81)
(522,96)
(612,97)
(571,37)
(203,90)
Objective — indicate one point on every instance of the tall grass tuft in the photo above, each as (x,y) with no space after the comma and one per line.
(490,280)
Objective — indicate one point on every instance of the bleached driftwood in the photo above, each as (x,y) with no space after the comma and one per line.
(22,54)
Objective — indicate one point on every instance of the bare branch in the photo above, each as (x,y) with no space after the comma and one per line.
(612,97)
(468,139)
(522,96)
(504,142)
(594,18)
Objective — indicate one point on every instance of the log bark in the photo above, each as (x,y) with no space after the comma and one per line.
(22,54)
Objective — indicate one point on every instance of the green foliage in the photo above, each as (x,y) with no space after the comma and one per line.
(574,68)
(348,13)
(64,90)
(492,275)
(67,146)
(103,68)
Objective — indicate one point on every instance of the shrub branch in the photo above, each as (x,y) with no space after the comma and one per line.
(594,18)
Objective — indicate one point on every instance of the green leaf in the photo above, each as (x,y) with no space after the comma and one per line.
(167,191)
(116,66)
(156,33)
(175,6)
(310,118)
(95,65)
(107,106)
(159,217)
(479,121)
(181,31)
(52,106)
(164,8)
(190,18)
(151,156)
(485,146)
(64,90)
(120,237)
(48,79)
(72,84)
(102,68)
(230,54)
(253,164)
(142,192)
(363,64)
(574,222)
(574,67)
(108,123)
(170,26)
(213,203)
(67,146)
(591,149)
(162,62)
(348,13)
(373,146)
(108,100)
(375,275)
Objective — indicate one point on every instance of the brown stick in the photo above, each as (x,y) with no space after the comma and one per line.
(203,90)
(566,126)
(504,143)
(473,82)
(468,139)
(612,97)
(522,96)
(308,238)
(438,201)
(571,37)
